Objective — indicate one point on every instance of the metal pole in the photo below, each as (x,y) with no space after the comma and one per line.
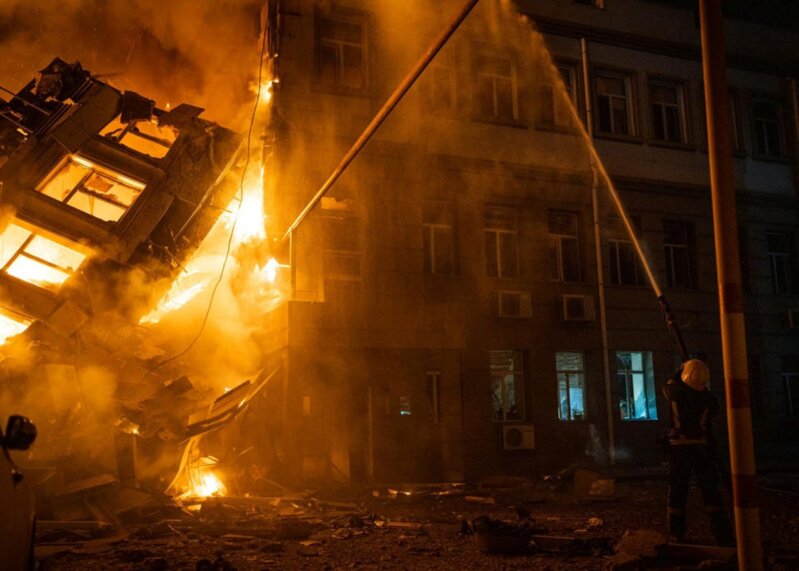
(600,274)
(384,112)
(728,270)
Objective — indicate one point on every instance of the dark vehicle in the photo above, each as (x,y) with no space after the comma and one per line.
(17,517)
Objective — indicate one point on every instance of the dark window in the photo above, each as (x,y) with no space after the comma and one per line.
(625,268)
(341,257)
(614,103)
(636,386)
(439,238)
(342,52)
(667,100)
(564,251)
(501,243)
(440,94)
(791,381)
(782,259)
(433,395)
(768,131)
(507,385)
(495,94)
(678,247)
(571,385)
(554,104)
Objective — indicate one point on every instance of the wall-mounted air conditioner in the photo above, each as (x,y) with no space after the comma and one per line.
(518,437)
(578,308)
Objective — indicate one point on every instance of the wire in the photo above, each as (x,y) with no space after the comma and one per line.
(235,220)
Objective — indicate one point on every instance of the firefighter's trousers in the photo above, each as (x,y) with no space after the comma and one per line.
(700,460)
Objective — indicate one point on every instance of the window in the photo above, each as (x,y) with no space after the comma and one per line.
(495,94)
(144,137)
(341,257)
(614,103)
(571,386)
(342,53)
(514,304)
(768,128)
(439,96)
(564,251)
(625,268)
(501,243)
(782,259)
(667,100)
(30,257)
(11,325)
(791,381)
(554,105)
(438,238)
(678,246)
(507,385)
(433,391)
(405,405)
(636,386)
(92,189)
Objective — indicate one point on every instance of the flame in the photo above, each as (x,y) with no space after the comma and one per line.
(209,485)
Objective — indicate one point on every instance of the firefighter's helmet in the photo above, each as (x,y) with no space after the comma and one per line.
(695,374)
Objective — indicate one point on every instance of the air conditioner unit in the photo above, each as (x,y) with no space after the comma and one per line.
(578,308)
(792,319)
(518,437)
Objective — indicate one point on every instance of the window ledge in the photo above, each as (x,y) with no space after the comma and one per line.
(620,138)
(672,145)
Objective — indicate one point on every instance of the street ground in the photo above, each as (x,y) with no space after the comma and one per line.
(422,527)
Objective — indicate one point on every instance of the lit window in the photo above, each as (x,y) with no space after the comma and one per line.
(667,102)
(501,243)
(439,239)
(768,128)
(636,386)
(92,189)
(614,103)
(341,258)
(507,385)
(342,52)
(564,251)
(11,325)
(142,136)
(495,94)
(571,386)
(32,258)
(782,259)
(678,248)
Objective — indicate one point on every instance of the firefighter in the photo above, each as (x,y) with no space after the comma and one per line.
(692,449)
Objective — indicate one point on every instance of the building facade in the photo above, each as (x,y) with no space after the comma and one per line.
(445,311)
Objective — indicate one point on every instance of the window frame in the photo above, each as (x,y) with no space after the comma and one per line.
(344,215)
(789,263)
(495,117)
(556,240)
(519,387)
(433,389)
(690,253)
(429,237)
(681,91)
(779,122)
(630,78)
(625,396)
(568,373)
(788,379)
(343,15)
(498,243)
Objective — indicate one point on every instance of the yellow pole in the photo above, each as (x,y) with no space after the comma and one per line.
(728,270)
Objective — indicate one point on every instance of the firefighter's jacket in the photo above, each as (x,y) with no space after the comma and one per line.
(690,413)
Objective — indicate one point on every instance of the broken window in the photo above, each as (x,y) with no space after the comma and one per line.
(667,100)
(571,385)
(30,257)
(501,243)
(495,94)
(768,128)
(143,136)
(678,247)
(92,189)
(614,103)
(342,54)
(636,386)
(11,325)
(782,260)
(507,385)
(439,238)
(564,251)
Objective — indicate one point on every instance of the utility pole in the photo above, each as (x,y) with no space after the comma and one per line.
(728,270)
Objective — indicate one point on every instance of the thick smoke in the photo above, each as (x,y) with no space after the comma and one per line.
(204,53)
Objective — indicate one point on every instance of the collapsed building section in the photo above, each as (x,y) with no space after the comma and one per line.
(104,198)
